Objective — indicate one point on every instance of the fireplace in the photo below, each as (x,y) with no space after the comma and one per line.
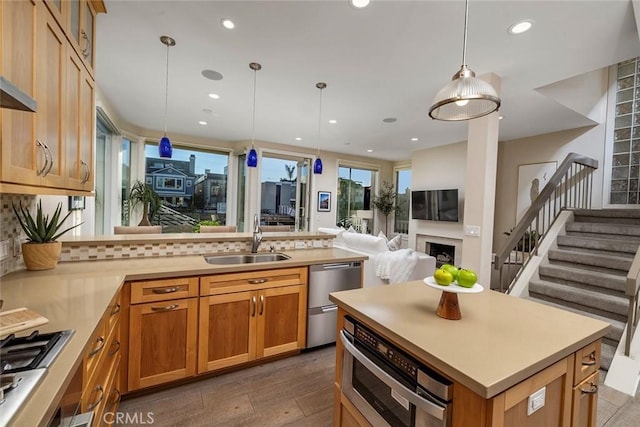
(444,254)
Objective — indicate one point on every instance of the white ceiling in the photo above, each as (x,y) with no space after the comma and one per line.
(387,60)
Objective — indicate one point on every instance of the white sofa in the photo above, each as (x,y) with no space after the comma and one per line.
(373,247)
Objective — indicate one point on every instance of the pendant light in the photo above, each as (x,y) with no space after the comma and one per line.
(252,157)
(317,165)
(165,148)
(465,97)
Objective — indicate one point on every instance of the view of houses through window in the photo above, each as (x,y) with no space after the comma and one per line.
(192,187)
(284,195)
(354,194)
(403,191)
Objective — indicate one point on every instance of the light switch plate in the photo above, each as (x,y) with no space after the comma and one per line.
(5,246)
(536,401)
(472,230)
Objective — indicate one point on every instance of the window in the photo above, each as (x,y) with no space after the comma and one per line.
(403,191)
(284,196)
(125,184)
(354,193)
(192,186)
(625,157)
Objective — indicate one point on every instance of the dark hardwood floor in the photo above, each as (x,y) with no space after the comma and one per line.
(295,391)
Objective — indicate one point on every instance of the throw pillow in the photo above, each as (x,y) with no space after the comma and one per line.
(394,244)
(381,235)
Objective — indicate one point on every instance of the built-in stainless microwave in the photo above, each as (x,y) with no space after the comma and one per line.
(387,385)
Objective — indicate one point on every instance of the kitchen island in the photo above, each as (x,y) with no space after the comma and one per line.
(501,352)
(80,295)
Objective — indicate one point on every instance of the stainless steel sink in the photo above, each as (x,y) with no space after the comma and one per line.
(245,258)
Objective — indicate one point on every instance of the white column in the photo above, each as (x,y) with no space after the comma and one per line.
(480,188)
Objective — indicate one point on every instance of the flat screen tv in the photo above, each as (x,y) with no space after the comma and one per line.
(435,205)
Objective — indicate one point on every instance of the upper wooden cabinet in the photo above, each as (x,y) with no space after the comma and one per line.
(50,151)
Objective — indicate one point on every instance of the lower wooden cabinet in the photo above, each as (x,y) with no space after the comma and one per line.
(585,402)
(239,327)
(162,342)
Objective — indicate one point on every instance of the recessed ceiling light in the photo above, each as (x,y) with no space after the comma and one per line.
(202,122)
(228,24)
(214,96)
(520,27)
(298,138)
(333,121)
(414,139)
(359,4)
(500,117)
(369,150)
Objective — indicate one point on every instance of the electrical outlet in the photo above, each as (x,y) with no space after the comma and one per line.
(472,230)
(317,243)
(300,244)
(17,246)
(4,249)
(536,401)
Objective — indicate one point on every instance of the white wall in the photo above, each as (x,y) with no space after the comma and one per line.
(438,168)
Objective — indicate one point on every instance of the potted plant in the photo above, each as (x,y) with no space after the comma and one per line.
(385,202)
(196,228)
(143,194)
(42,250)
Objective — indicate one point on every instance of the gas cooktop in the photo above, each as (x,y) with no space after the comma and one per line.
(23,363)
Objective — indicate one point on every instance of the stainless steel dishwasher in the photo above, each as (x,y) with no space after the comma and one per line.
(322,313)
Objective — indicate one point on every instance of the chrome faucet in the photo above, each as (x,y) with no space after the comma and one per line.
(257,235)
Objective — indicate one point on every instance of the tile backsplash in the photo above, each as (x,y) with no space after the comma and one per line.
(10,228)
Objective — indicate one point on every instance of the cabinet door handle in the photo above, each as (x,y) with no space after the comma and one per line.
(93,406)
(166,290)
(167,308)
(116,309)
(98,348)
(253,306)
(86,172)
(47,150)
(593,389)
(257,281)
(117,399)
(261,304)
(591,361)
(116,344)
(46,157)
(87,47)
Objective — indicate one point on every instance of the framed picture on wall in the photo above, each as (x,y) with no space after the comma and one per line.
(76,203)
(324,201)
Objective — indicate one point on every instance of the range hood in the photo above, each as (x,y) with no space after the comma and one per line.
(13,98)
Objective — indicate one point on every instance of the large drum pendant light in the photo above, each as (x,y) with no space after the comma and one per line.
(252,157)
(165,148)
(465,97)
(317,165)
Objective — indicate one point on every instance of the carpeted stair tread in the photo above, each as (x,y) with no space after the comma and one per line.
(596,260)
(598,301)
(617,237)
(551,272)
(601,228)
(607,213)
(602,244)
(615,331)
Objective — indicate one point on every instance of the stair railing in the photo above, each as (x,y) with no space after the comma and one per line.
(571,186)
(632,288)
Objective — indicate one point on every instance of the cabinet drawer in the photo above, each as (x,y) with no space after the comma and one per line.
(585,402)
(97,390)
(164,290)
(587,362)
(252,280)
(112,315)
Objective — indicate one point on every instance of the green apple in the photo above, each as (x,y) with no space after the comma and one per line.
(467,278)
(451,269)
(443,277)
